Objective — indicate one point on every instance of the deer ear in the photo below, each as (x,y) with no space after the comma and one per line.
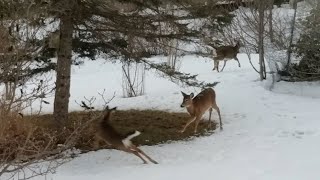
(183,94)
(238,42)
(191,95)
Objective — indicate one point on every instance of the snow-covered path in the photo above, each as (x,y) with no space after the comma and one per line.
(266,135)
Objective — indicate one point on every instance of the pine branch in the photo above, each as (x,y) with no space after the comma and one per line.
(184,79)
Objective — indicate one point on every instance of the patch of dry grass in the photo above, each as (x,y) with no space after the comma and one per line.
(156,127)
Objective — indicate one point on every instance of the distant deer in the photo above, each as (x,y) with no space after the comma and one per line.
(110,136)
(226,53)
(197,106)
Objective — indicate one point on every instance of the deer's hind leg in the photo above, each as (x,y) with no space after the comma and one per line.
(132,150)
(138,154)
(237,61)
(215,106)
(144,154)
(210,112)
(224,64)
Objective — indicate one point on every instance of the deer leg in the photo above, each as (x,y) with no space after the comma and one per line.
(145,155)
(188,123)
(98,140)
(210,112)
(215,106)
(215,65)
(224,64)
(238,61)
(132,150)
(196,125)
(96,143)
(137,154)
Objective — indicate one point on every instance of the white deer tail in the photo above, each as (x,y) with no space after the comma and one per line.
(127,141)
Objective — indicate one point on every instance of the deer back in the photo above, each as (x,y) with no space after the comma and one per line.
(203,101)
(228,51)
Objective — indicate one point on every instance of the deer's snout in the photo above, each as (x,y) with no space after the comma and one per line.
(182,105)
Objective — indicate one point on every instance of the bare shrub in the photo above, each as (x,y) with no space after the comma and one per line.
(27,150)
(133,79)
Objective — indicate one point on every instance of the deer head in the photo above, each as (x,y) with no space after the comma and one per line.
(112,109)
(108,112)
(187,99)
(238,45)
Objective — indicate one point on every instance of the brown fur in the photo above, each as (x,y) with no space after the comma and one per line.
(110,136)
(197,106)
(226,53)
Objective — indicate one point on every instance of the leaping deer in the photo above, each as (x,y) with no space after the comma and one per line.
(110,136)
(226,53)
(197,106)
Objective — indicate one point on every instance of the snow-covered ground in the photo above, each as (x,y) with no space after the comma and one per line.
(267,134)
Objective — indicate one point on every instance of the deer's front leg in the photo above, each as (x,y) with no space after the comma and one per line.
(215,65)
(238,61)
(188,123)
(198,119)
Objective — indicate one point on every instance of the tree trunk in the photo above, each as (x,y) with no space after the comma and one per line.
(260,41)
(63,69)
(270,18)
(289,51)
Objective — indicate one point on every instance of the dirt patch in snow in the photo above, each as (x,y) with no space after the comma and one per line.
(156,127)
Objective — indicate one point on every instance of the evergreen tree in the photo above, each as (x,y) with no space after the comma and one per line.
(90,28)
(308,48)
(106,27)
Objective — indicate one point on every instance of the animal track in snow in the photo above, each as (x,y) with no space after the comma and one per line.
(297,133)
(238,115)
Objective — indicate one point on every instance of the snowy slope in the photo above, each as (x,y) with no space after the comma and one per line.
(267,135)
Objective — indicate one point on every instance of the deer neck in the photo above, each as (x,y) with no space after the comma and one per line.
(191,109)
(237,46)
(106,117)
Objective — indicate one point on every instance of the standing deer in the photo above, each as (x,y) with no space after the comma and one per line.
(197,106)
(110,136)
(226,53)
